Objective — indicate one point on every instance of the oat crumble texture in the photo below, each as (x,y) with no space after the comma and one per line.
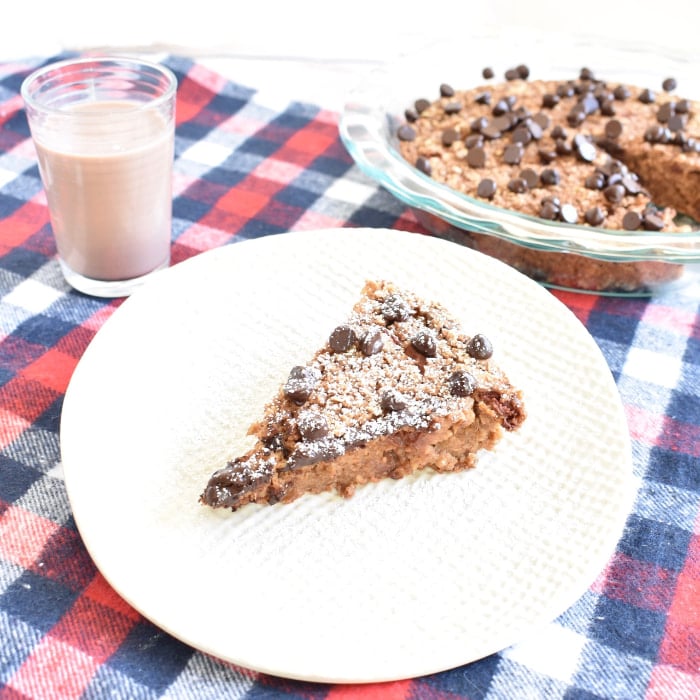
(398,387)
(582,151)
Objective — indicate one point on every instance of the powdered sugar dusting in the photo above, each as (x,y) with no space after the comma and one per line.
(386,380)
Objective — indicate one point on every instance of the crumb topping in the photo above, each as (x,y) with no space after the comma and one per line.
(578,151)
(397,362)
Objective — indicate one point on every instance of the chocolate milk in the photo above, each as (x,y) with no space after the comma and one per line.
(108,184)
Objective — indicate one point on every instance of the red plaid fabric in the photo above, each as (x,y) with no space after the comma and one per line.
(64,633)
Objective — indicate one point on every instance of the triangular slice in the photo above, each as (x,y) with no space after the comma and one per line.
(398,387)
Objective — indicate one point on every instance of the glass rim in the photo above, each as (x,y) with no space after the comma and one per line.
(123,61)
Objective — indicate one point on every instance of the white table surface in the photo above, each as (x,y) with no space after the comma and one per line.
(314,50)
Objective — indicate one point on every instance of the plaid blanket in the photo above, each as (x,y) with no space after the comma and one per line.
(246,169)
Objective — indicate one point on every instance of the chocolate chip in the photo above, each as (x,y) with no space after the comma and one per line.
(523,114)
(542,120)
(342,339)
(676,122)
(563,148)
(585,150)
(479,347)
(518,185)
(614,193)
(476,157)
(575,117)
(690,145)
(521,135)
(589,104)
(613,129)
(595,181)
(656,134)
(531,177)
(392,400)
(594,216)
(421,105)
(546,155)
(565,90)
(307,453)
(586,74)
(607,108)
(631,183)
(446,90)
(461,383)
(511,74)
(682,106)
(300,383)
(478,124)
(423,164)
(449,136)
(486,189)
(568,213)
(549,209)
(681,139)
(483,98)
(665,112)
(612,167)
(453,107)
(550,176)
(312,425)
(235,482)
(491,131)
(501,107)
(513,154)
(503,122)
(647,96)
(535,129)
(275,443)
(631,221)
(406,133)
(424,342)
(394,309)
(523,71)
(549,212)
(411,114)
(550,100)
(669,85)
(621,92)
(612,147)
(558,132)
(372,342)
(474,140)
(487,73)
(652,221)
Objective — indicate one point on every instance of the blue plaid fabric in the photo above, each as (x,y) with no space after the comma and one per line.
(244,170)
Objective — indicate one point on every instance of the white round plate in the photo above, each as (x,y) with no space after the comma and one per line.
(407,577)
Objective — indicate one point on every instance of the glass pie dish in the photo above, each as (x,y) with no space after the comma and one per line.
(561,255)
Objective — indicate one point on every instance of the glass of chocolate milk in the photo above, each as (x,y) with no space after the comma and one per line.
(103,129)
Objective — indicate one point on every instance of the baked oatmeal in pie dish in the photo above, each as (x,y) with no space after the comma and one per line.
(576,162)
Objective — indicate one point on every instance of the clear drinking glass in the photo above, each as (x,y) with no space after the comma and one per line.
(103,129)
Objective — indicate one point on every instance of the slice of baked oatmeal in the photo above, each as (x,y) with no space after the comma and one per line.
(398,387)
